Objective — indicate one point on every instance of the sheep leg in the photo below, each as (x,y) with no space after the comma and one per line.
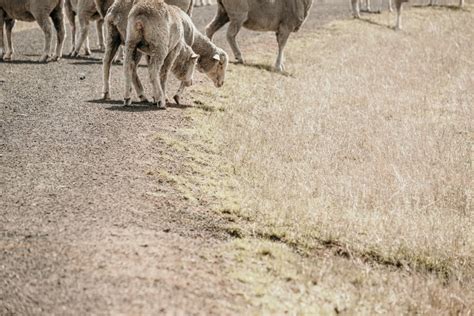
(72,22)
(177,96)
(128,73)
(154,67)
(83,36)
(390,8)
(45,24)
(2,22)
(165,69)
(135,79)
(100,34)
(119,56)
(58,22)
(9,24)
(234,28)
(398,5)
(282,38)
(217,23)
(355,9)
(461,3)
(112,45)
(367,5)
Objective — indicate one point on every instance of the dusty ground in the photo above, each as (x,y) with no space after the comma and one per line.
(91,220)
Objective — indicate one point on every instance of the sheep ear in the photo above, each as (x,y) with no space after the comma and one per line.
(194,56)
(216,57)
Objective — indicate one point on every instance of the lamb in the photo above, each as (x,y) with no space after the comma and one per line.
(156,29)
(280,16)
(33,10)
(86,11)
(212,61)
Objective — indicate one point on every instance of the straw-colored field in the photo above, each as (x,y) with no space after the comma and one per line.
(349,182)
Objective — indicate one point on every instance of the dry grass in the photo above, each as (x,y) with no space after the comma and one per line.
(364,152)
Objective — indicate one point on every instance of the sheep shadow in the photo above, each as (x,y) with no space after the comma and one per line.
(371,11)
(117,105)
(84,60)
(265,67)
(23,62)
(369,21)
(442,7)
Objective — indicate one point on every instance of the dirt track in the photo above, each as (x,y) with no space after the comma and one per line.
(85,225)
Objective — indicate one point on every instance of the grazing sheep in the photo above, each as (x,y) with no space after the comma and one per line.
(212,61)
(86,11)
(156,29)
(200,3)
(280,16)
(33,10)
(116,15)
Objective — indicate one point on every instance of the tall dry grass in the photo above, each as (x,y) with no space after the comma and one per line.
(367,146)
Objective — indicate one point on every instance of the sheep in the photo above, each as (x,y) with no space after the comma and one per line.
(212,61)
(33,10)
(156,29)
(86,11)
(280,16)
(115,16)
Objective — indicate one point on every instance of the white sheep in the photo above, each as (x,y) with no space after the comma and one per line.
(33,10)
(156,30)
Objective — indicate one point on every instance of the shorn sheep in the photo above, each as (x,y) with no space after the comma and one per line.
(156,30)
(280,16)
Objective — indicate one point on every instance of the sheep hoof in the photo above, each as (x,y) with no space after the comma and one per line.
(279,68)
(176,99)
(106,96)
(43,59)
(143,98)
(54,58)
(127,102)
(159,104)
